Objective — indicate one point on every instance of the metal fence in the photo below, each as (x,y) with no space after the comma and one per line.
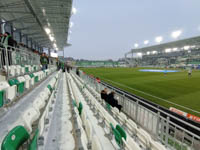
(174,132)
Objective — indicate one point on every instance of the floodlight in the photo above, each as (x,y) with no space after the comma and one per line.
(148,53)
(74,10)
(176,34)
(168,50)
(186,47)
(136,45)
(47,30)
(51,38)
(146,42)
(54,44)
(159,39)
(154,52)
(175,49)
(139,54)
(71,24)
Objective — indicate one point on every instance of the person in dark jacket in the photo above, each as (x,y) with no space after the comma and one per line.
(104,94)
(112,101)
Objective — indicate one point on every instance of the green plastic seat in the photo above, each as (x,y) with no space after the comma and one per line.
(20,87)
(108,107)
(49,87)
(26,69)
(118,137)
(34,68)
(33,145)
(2,93)
(36,79)
(80,108)
(121,131)
(31,75)
(15,138)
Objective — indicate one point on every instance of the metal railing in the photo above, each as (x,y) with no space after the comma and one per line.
(171,130)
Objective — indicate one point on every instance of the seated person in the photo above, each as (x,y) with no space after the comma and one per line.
(104,94)
(113,102)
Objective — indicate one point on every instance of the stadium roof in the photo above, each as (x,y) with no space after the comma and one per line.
(194,41)
(35,18)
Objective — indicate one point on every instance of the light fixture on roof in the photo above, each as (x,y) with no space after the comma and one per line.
(48,24)
(44,12)
(175,49)
(54,44)
(136,45)
(176,34)
(71,24)
(74,10)
(47,30)
(146,42)
(139,54)
(154,52)
(168,50)
(148,53)
(159,39)
(186,47)
(51,38)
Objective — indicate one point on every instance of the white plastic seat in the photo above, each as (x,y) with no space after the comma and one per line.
(39,103)
(130,144)
(44,96)
(30,115)
(18,69)
(144,138)
(131,127)
(157,146)
(122,118)
(83,117)
(95,143)
(11,91)
(88,129)
(28,81)
(21,79)
(46,90)
(10,70)
(115,111)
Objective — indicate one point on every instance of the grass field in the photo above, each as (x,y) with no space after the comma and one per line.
(157,87)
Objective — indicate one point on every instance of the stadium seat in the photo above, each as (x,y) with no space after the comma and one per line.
(38,103)
(95,143)
(21,84)
(28,81)
(43,95)
(88,129)
(19,70)
(144,138)
(30,115)
(11,71)
(122,118)
(10,91)
(131,127)
(2,98)
(130,144)
(15,138)
(80,108)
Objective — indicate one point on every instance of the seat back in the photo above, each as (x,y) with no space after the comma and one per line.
(121,131)
(80,108)
(15,138)
(88,129)
(33,145)
(95,143)
(29,117)
(2,93)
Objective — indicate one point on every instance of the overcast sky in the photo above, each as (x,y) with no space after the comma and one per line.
(106,29)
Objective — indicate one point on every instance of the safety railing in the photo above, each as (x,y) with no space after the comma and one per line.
(174,132)
(17,56)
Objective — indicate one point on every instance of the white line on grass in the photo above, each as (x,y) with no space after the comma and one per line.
(152,95)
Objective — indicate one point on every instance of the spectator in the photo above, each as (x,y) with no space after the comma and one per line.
(104,95)
(44,61)
(112,101)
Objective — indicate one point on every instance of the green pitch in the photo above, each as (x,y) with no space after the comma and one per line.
(177,87)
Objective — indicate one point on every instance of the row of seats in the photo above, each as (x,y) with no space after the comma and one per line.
(139,135)
(88,139)
(17,70)
(23,130)
(15,87)
(110,126)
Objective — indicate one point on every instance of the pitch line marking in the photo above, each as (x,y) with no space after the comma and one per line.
(152,95)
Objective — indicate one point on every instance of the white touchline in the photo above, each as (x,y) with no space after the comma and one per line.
(152,95)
